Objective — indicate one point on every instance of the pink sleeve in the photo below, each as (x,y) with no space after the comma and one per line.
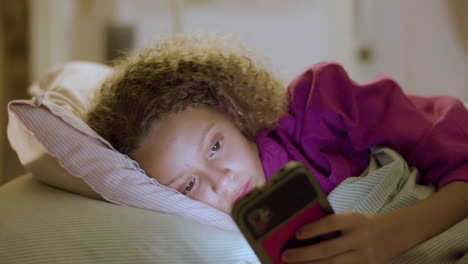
(431,133)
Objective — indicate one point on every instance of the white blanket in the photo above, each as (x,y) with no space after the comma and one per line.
(389,184)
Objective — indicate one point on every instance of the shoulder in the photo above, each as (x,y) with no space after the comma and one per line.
(328,83)
(317,83)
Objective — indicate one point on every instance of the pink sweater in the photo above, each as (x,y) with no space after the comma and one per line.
(332,122)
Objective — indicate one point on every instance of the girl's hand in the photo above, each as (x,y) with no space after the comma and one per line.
(361,241)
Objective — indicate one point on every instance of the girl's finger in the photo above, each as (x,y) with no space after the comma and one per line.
(330,223)
(325,249)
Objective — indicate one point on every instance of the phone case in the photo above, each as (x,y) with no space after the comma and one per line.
(270,215)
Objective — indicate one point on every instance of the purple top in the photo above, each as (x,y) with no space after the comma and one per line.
(332,122)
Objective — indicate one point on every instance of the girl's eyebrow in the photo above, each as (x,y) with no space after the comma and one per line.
(203,136)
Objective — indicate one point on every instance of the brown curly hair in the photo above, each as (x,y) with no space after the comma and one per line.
(183,72)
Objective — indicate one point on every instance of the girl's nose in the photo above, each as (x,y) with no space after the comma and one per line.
(219,179)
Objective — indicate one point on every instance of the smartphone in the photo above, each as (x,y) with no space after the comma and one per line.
(270,215)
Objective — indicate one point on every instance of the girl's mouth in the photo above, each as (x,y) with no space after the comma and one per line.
(244,190)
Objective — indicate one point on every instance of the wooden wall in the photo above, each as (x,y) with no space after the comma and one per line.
(14,76)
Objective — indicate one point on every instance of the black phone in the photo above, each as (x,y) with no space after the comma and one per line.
(270,215)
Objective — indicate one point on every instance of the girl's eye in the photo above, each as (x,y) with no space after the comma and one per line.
(216,146)
(189,186)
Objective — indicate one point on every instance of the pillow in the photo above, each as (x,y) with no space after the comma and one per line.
(43,225)
(71,86)
(63,151)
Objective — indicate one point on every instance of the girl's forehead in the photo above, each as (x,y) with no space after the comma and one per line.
(187,121)
(183,129)
(190,117)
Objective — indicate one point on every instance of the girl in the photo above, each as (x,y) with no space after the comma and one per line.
(201,117)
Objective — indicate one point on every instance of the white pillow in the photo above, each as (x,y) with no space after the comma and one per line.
(43,225)
(61,149)
(71,86)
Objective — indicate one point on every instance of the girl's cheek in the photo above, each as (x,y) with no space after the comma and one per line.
(203,194)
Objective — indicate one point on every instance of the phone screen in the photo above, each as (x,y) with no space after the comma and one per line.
(279,205)
(271,215)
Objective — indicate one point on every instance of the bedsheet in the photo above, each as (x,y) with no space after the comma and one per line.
(40,224)
(98,227)
(389,184)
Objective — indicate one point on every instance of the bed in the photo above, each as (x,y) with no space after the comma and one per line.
(43,224)
(83,202)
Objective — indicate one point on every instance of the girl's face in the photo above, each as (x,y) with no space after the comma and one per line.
(202,154)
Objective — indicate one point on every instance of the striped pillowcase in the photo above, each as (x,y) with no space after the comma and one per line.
(61,150)
(45,128)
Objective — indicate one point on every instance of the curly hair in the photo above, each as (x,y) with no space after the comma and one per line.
(181,73)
